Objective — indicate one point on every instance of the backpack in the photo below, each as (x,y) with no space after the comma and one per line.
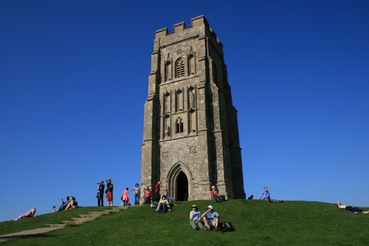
(226,226)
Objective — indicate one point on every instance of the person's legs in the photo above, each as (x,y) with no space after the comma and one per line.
(137,199)
(193,224)
(70,204)
(160,207)
(207,223)
(164,207)
(201,226)
(215,222)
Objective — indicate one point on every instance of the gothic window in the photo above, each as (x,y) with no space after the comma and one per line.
(179,72)
(179,125)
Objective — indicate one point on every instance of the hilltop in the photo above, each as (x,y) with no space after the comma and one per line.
(256,223)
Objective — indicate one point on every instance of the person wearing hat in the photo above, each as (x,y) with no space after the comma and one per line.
(211,218)
(194,217)
(100,193)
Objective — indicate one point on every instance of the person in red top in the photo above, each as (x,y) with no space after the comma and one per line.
(148,195)
(213,194)
(157,192)
(109,191)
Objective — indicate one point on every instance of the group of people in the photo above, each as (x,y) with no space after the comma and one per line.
(141,193)
(108,192)
(69,203)
(265,195)
(207,221)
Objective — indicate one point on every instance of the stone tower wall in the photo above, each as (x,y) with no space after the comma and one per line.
(189,115)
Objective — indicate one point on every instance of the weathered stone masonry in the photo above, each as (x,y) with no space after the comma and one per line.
(191,138)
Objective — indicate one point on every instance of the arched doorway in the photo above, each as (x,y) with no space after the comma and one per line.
(182,187)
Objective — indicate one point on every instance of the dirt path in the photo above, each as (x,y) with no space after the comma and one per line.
(52,227)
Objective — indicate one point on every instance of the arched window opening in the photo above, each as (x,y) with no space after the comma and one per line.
(179,72)
(179,125)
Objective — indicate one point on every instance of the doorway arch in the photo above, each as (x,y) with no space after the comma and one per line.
(179,178)
(182,187)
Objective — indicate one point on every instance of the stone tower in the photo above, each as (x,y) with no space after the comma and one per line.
(191,139)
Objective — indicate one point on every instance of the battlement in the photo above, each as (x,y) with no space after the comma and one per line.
(198,21)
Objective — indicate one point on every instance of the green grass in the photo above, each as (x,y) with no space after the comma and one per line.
(256,223)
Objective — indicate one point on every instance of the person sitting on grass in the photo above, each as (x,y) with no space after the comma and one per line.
(30,213)
(194,216)
(265,195)
(72,203)
(355,210)
(64,204)
(213,195)
(170,200)
(163,205)
(211,219)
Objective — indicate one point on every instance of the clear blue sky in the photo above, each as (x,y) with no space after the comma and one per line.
(73,82)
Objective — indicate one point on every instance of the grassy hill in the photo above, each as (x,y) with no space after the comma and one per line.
(256,223)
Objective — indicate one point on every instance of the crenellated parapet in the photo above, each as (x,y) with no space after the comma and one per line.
(197,23)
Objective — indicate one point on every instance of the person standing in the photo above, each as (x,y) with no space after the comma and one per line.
(136,192)
(142,193)
(109,191)
(157,192)
(125,197)
(148,196)
(100,193)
